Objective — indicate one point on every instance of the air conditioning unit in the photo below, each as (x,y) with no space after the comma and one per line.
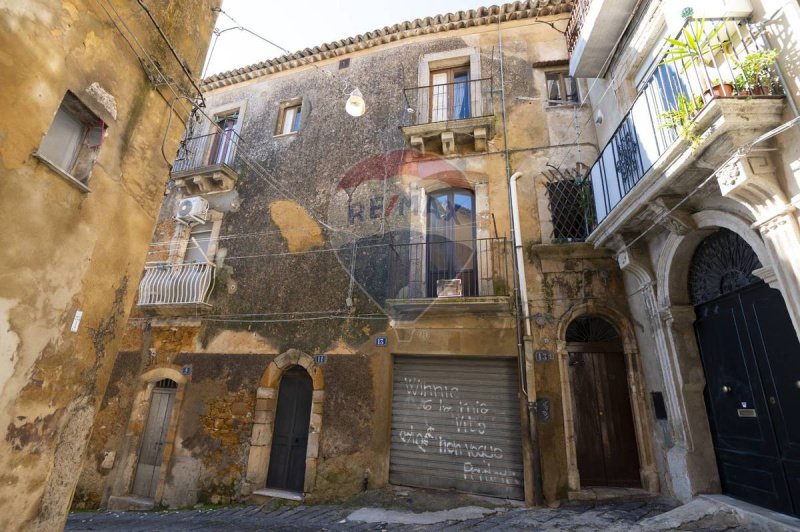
(448,288)
(192,211)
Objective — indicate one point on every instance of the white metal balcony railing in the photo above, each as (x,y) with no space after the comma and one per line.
(707,60)
(176,284)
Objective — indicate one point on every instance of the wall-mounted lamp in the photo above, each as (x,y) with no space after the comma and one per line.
(356,106)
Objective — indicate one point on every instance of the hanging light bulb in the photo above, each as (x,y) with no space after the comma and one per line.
(356,106)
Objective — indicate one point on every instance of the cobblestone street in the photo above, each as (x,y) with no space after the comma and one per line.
(331,517)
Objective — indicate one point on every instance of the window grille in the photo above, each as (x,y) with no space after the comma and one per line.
(167,383)
(571,204)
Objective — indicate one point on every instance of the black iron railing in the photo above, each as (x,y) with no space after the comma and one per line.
(709,61)
(206,150)
(483,267)
(449,101)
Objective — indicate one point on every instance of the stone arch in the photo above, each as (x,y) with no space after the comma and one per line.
(123,484)
(264,418)
(644,441)
(673,264)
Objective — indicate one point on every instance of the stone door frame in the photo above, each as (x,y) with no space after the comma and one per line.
(136,425)
(264,420)
(639,407)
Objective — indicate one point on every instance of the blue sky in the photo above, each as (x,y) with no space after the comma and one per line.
(300,24)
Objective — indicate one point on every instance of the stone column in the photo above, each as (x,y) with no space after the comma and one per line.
(692,465)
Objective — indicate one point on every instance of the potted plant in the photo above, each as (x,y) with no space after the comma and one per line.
(756,70)
(695,44)
(719,88)
(681,118)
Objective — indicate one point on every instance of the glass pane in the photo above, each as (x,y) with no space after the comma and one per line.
(60,144)
(202,234)
(461,96)
(571,87)
(554,86)
(439,97)
(296,121)
(288,119)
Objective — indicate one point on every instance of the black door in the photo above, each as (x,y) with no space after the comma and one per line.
(751,359)
(287,462)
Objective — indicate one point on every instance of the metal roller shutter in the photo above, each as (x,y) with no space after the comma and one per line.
(456,424)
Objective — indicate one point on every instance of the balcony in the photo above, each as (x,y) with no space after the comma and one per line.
(176,286)
(689,117)
(445,116)
(592,32)
(450,276)
(205,163)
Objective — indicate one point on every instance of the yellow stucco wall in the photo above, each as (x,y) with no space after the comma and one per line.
(64,249)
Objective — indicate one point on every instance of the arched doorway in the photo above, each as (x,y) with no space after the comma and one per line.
(151,452)
(751,360)
(287,462)
(605,438)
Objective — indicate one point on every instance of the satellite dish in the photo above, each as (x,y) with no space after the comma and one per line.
(356,106)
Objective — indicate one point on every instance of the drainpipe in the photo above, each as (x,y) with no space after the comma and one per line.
(521,296)
(522,286)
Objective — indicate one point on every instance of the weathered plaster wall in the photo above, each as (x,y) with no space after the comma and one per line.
(280,287)
(65,250)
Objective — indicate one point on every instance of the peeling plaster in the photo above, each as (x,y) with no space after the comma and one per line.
(297,227)
(9,341)
(103,97)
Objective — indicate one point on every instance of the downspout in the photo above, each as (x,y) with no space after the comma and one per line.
(521,293)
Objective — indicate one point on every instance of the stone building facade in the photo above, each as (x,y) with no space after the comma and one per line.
(332,302)
(85,115)
(696,189)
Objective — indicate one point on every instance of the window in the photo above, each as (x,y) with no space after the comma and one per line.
(561,88)
(71,144)
(290,117)
(449,94)
(224,138)
(199,240)
(451,240)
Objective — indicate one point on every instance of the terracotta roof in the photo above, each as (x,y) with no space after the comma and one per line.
(449,21)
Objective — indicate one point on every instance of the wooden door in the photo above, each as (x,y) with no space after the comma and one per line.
(605,439)
(287,462)
(151,452)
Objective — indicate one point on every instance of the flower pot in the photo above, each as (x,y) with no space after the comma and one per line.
(718,90)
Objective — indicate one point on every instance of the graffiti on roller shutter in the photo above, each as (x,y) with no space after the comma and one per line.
(471,420)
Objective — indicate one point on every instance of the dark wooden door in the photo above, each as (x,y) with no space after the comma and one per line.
(751,358)
(605,439)
(287,462)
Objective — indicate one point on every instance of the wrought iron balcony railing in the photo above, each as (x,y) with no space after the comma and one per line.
(482,266)
(205,151)
(707,61)
(176,284)
(447,102)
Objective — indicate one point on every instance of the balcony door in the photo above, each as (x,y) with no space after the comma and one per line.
(451,240)
(224,136)
(450,94)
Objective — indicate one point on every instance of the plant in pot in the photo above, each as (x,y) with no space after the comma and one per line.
(681,118)
(694,44)
(719,88)
(756,67)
